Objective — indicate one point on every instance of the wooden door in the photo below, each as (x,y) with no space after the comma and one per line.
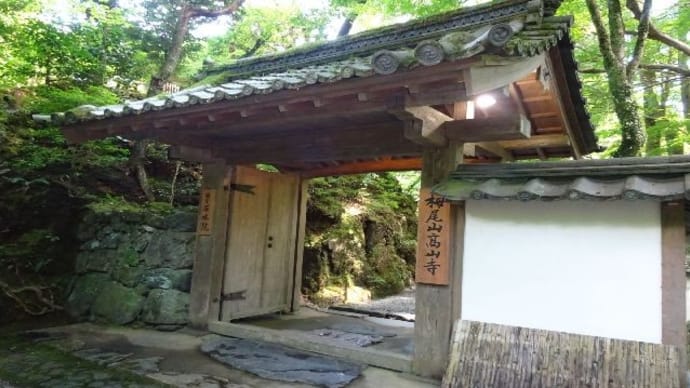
(260,255)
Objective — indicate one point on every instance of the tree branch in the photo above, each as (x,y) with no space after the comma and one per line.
(664,67)
(657,35)
(650,66)
(617,31)
(43,303)
(602,34)
(642,33)
(214,13)
(252,50)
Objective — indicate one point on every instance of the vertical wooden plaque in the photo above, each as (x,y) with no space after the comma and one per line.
(207,204)
(433,239)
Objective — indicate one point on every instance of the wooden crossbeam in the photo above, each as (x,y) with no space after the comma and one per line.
(488,129)
(541,141)
(407,164)
(423,125)
(496,149)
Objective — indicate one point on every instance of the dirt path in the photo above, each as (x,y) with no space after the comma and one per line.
(401,304)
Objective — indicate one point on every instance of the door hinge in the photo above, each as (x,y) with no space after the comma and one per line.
(237,295)
(248,189)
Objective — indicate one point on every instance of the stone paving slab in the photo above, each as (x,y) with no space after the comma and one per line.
(163,359)
(281,363)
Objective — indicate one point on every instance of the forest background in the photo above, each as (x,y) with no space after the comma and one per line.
(59,54)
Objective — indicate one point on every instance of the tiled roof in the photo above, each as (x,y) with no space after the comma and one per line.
(626,178)
(509,29)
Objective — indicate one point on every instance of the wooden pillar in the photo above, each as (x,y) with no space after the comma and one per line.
(299,244)
(673,279)
(438,307)
(209,255)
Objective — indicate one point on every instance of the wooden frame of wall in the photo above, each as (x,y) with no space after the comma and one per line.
(438,306)
(673,280)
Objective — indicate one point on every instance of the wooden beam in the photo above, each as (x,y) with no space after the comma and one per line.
(673,279)
(424,125)
(303,196)
(406,164)
(300,340)
(560,88)
(462,110)
(545,97)
(490,147)
(209,251)
(543,115)
(371,146)
(437,307)
(488,129)
(541,141)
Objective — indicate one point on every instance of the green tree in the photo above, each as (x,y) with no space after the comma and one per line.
(176,19)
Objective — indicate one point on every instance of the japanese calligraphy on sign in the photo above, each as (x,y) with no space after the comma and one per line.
(206,207)
(433,239)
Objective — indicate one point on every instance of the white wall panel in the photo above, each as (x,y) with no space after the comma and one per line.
(582,267)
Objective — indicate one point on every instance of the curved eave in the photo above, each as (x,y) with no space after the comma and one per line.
(565,71)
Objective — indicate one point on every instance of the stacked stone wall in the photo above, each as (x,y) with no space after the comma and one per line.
(134,267)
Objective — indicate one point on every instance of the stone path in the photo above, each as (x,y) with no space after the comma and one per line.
(277,362)
(87,355)
(24,363)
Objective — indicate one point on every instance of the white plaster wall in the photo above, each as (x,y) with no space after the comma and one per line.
(582,267)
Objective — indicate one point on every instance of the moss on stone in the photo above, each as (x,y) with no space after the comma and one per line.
(27,364)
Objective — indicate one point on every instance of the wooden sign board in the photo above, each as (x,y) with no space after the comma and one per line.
(433,239)
(206,210)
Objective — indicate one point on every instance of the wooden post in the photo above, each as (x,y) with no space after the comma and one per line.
(438,307)
(299,244)
(673,279)
(209,255)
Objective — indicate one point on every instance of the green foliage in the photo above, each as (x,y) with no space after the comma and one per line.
(664,88)
(389,275)
(30,252)
(396,7)
(327,195)
(47,99)
(261,31)
(113,204)
(361,228)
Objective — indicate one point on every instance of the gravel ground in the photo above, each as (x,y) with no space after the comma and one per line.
(396,304)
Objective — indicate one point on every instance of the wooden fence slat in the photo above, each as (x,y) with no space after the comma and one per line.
(499,356)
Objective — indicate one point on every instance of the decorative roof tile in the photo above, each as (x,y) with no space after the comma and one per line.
(509,28)
(614,179)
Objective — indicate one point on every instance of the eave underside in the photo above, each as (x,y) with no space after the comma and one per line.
(355,126)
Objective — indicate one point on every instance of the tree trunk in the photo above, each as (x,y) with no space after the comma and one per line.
(346,26)
(652,113)
(627,111)
(612,47)
(685,101)
(137,160)
(172,57)
(174,53)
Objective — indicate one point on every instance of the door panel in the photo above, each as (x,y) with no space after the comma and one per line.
(279,253)
(261,240)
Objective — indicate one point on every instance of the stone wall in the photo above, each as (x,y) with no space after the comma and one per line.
(134,267)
